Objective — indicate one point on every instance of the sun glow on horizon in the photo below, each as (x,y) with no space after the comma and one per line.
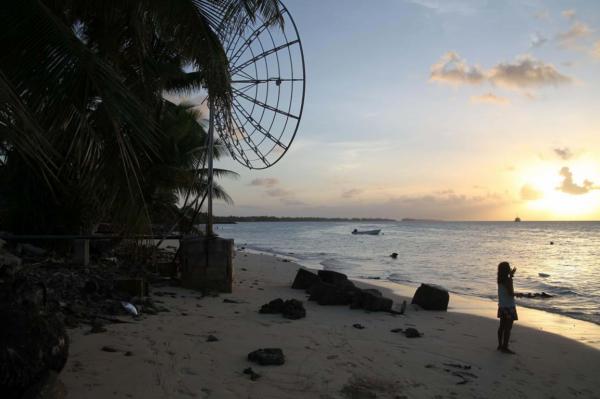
(544,182)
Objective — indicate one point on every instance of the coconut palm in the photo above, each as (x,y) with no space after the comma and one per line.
(82,113)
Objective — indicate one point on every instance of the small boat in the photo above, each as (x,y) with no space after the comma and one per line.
(369,232)
(517,219)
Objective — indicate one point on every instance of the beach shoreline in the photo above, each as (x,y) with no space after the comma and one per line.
(169,355)
(583,331)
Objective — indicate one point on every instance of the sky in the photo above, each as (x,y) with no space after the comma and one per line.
(452,110)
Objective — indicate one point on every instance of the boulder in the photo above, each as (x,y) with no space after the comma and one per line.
(371,300)
(293,309)
(331,294)
(331,277)
(412,333)
(273,307)
(267,356)
(431,297)
(304,279)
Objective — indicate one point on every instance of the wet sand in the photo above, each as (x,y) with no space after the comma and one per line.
(168,355)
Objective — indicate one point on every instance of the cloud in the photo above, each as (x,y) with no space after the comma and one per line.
(529,193)
(577,31)
(265,182)
(569,14)
(452,69)
(278,192)
(537,40)
(272,188)
(292,202)
(490,98)
(351,193)
(462,7)
(564,153)
(595,52)
(570,187)
(527,72)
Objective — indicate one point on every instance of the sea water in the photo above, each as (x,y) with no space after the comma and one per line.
(461,256)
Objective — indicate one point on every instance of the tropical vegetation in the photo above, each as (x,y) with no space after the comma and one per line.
(86,134)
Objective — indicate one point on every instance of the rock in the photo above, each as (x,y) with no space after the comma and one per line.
(543,275)
(293,309)
(211,338)
(227,300)
(275,306)
(371,300)
(304,279)
(331,277)
(330,294)
(267,356)
(431,297)
(358,326)
(394,255)
(109,349)
(412,333)
(253,375)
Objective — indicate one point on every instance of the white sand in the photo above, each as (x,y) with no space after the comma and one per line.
(325,356)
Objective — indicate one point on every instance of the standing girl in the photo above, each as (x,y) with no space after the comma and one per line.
(507,311)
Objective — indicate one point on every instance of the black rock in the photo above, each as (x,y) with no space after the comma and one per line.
(267,356)
(211,338)
(304,279)
(412,333)
(394,255)
(293,309)
(275,306)
(371,300)
(331,277)
(431,297)
(358,326)
(330,294)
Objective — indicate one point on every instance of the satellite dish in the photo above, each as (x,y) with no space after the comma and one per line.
(266,65)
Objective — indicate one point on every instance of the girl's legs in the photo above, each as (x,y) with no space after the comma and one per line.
(508,323)
(500,333)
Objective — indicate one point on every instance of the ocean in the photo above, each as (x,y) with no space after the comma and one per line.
(460,256)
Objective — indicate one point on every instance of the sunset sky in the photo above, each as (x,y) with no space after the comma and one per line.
(455,110)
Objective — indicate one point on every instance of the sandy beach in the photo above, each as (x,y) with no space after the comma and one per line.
(168,355)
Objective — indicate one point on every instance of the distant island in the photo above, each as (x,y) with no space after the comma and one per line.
(420,220)
(238,219)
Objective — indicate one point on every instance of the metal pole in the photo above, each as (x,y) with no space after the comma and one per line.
(209,210)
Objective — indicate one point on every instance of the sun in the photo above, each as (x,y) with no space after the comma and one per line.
(541,189)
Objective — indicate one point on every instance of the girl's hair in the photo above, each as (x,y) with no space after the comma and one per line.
(503,272)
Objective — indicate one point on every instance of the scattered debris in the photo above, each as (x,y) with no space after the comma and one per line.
(253,375)
(109,349)
(267,356)
(412,333)
(130,308)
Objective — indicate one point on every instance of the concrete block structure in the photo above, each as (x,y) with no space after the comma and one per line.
(207,263)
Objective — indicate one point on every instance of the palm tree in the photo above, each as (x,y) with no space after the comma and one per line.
(82,113)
